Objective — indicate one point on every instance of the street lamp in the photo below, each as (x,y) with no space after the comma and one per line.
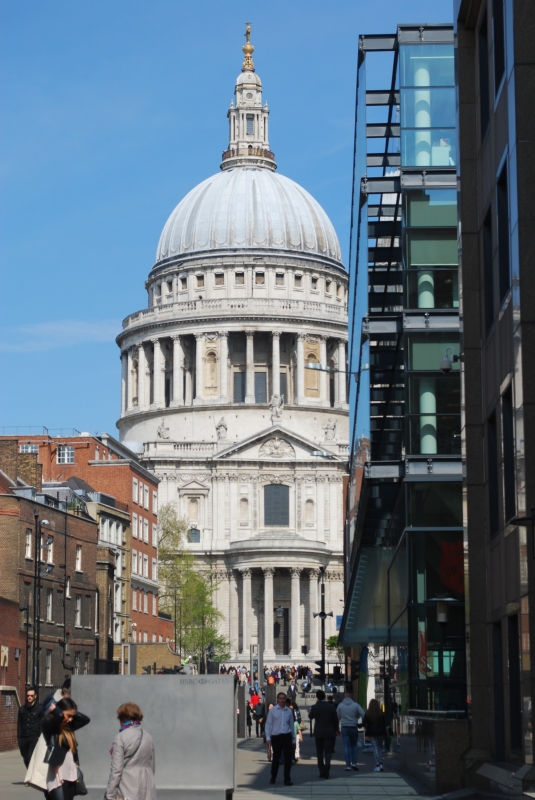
(323,616)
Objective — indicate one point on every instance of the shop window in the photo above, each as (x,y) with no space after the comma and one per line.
(276,505)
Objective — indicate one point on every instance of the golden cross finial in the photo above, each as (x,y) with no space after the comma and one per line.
(248,50)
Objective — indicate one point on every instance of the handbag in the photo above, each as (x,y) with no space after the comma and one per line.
(80,787)
(37,772)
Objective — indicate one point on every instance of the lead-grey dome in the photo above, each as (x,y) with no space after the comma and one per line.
(248,207)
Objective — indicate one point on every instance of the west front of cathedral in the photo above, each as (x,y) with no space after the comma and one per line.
(222,392)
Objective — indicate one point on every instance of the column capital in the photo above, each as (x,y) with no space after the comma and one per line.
(245,572)
(140,345)
(322,338)
(314,573)
(223,334)
(301,336)
(176,337)
(249,334)
(295,572)
(276,334)
(155,340)
(199,336)
(269,572)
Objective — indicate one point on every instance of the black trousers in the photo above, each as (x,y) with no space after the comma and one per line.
(324,747)
(63,792)
(259,727)
(26,747)
(282,743)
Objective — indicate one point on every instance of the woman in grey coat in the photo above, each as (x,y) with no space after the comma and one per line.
(132,759)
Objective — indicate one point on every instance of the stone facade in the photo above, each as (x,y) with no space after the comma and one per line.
(222,393)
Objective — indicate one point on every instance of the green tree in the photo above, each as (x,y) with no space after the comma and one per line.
(197,616)
(334,648)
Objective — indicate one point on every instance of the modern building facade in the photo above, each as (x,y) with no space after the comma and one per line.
(406,574)
(496,73)
(248,290)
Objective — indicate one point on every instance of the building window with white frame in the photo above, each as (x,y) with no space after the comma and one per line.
(50,552)
(103,528)
(146,602)
(68,588)
(154,605)
(134,599)
(146,531)
(146,497)
(134,490)
(154,535)
(77,663)
(65,454)
(29,448)
(134,526)
(86,664)
(78,558)
(155,502)
(134,562)
(134,635)
(28,543)
(154,570)
(145,566)
(145,636)
(48,668)
(154,637)
(49,604)
(160,639)
(78,611)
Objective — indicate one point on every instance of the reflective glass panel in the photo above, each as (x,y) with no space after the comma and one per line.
(445,288)
(428,147)
(429,63)
(426,352)
(427,107)
(431,208)
(435,505)
(431,247)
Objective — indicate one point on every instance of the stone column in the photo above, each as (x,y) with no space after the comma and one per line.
(269,651)
(223,367)
(157,377)
(178,372)
(130,380)
(246,609)
(249,368)
(313,575)
(233,614)
(124,381)
(342,373)
(142,403)
(324,385)
(276,364)
(295,614)
(199,340)
(300,368)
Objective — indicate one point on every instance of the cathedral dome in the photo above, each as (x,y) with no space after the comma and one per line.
(248,207)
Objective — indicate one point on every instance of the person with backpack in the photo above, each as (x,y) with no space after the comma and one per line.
(375,728)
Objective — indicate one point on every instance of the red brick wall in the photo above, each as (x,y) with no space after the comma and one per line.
(12,637)
(9,709)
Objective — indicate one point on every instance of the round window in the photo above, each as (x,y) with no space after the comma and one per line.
(249,95)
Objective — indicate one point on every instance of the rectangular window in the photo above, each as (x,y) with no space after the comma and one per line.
(77,663)
(48,668)
(435,505)
(146,531)
(314,284)
(68,588)
(146,602)
(240,278)
(153,637)
(145,636)
(134,526)
(502,209)
(239,387)
(483,58)
(86,663)
(184,283)
(155,536)
(134,562)
(498,36)
(134,490)
(29,448)
(200,281)
(508,435)
(28,545)
(279,279)
(154,570)
(488,271)
(154,605)
(249,119)
(50,552)
(155,502)
(134,599)
(260,387)
(103,528)
(145,566)
(78,611)
(65,454)
(298,281)
(260,278)
(49,603)
(146,496)
(492,465)
(78,558)
(284,387)
(219,279)
(276,505)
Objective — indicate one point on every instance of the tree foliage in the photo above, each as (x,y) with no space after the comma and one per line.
(196,614)
(333,647)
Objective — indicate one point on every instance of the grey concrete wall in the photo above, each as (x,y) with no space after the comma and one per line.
(192,720)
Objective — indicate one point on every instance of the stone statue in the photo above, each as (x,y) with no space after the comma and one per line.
(276,404)
(221,429)
(330,430)
(163,431)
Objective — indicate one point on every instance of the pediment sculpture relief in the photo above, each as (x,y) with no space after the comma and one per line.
(276,448)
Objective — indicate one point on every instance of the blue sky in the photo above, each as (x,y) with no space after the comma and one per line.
(111,111)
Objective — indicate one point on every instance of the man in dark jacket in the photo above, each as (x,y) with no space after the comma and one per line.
(29,725)
(326,729)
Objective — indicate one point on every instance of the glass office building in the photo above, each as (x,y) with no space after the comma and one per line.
(406,577)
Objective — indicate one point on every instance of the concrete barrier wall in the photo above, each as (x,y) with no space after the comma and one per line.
(192,720)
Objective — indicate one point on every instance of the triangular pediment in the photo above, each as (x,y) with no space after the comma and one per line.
(193,486)
(276,444)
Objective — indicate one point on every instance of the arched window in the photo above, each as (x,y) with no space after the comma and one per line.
(276,505)
(244,510)
(309,511)
(193,509)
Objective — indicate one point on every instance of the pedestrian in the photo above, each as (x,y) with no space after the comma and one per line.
(326,730)
(280,732)
(298,732)
(255,698)
(249,719)
(348,714)
(132,758)
(268,744)
(59,728)
(292,691)
(29,721)
(375,727)
(259,714)
(53,697)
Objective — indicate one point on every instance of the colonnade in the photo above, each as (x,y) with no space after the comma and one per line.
(130,392)
(244,611)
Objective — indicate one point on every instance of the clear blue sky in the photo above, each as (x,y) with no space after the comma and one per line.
(111,111)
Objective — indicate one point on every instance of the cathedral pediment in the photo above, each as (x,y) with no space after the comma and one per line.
(276,444)
(194,486)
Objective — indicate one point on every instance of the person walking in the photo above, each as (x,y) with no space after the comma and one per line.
(59,728)
(326,730)
(249,719)
(292,691)
(29,721)
(348,715)
(259,713)
(280,731)
(375,727)
(132,759)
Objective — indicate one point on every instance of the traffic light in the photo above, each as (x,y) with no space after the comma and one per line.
(148,670)
(320,670)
